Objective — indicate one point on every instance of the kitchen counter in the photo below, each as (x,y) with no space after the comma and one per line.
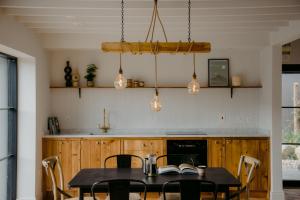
(162,133)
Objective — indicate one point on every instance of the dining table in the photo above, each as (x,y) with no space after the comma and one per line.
(85,178)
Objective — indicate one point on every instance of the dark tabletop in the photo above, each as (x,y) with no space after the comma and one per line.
(86,177)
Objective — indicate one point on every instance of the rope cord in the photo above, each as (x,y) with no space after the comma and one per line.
(151,30)
(194,61)
(156,90)
(120,69)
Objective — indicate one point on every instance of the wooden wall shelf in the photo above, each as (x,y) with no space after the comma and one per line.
(161,87)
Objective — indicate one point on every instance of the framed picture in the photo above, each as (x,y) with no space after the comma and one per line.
(218,72)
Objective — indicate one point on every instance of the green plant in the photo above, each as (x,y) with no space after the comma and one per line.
(90,72)
(291,137)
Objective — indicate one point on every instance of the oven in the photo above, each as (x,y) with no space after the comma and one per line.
(187,151)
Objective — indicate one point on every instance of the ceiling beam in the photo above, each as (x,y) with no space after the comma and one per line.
(143,19)
(142,32)
(75,4)
(65,24)
(148,12)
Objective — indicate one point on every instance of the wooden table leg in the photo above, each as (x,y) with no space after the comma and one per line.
(80,194)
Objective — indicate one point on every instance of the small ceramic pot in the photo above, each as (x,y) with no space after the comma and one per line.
(90,83)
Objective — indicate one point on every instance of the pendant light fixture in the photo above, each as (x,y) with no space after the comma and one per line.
(163,47)
(194,85)
(155,102)
(120,81)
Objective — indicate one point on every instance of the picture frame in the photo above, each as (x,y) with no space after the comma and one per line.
(218,72)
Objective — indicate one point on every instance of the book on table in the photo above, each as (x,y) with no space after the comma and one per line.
(183,168)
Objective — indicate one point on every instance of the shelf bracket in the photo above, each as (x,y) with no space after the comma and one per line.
(231,92)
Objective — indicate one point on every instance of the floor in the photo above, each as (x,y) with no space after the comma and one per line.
(291,194)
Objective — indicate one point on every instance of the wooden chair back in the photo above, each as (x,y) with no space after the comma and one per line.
(50,164)
(250,164)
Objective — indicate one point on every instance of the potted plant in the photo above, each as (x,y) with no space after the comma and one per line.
(90,74)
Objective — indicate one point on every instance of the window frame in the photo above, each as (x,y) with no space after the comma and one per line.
(12,109)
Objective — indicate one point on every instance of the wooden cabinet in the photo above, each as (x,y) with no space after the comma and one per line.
(70,159)
(69,154)
(50,148)
(109,147)
(76,154)
(252,147)
(216,152)
(90,153)
(142,148)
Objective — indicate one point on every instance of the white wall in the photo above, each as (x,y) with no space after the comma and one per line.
(270,113)
(130,109)
(17,40)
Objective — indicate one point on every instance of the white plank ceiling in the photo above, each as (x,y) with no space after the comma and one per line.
(103,16)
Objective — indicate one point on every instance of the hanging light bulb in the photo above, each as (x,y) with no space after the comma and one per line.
(194,85)
(155,102)
(120,81)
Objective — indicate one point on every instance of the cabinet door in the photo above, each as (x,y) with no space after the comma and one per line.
(50,148)
(233,152)
(90,153)
(216,152)
(110,147)
(250,148)
(70,159)
(263,171)
(142,148)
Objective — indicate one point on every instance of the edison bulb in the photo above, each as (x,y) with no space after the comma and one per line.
(120,82)
(155,104)
(194,86)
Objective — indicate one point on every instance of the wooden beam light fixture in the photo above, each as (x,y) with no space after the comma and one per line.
(161,47)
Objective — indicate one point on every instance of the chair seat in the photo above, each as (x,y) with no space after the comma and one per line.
(132,196)
(171,196)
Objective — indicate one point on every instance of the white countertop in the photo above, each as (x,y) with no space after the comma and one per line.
(166,133)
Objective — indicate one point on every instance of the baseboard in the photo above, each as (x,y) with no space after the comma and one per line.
(277,195)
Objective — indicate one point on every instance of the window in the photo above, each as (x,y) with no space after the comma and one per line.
(8,126)
(291,122)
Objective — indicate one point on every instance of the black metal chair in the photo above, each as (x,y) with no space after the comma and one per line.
(189,189)
(119,189)
(124,160)
(176,159)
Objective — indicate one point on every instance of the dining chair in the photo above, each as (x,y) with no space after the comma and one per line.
(50,164)
(124,160)
(188,189)
(175,159)
(119,189)
(251,164)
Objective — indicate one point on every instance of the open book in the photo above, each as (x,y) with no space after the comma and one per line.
(184,168)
